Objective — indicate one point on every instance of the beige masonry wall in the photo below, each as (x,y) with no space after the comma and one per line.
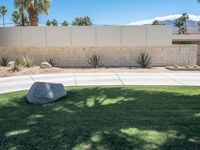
(198,55)
(117,45)
(86,36)
(112,56)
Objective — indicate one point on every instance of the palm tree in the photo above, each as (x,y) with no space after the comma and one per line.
(181,23)
(48,23)
(55,22)
(3,12)
(16,17)
(185,17)
(34,8)
(18,20)
(82,21)
(20,4)
(65,23)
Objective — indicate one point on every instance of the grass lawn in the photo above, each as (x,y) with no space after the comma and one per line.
(111,118)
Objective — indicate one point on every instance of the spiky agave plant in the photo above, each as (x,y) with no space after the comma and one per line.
(4,61)
(51,62)
(144,60)
(95,61)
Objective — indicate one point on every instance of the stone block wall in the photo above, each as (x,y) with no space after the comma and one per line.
(112,56)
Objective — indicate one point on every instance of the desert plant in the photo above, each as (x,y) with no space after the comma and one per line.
(16,66)
(187,66)
(144,60)
(195,66)
(27,61)
(4,61)
(51,62)
(95,61)
(176,66)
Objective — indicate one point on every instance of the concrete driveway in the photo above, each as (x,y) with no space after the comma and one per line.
(11,84)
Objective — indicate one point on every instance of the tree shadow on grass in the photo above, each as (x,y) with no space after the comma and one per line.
(103,118)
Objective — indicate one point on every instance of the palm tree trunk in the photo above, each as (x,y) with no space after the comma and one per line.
(3,20)
(33,16)
(23,20)
(185,27)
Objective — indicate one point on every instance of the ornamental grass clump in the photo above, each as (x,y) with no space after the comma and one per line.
(27,61)
(144,60)
(16,65)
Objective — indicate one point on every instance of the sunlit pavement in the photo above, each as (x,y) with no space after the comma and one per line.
(11,84)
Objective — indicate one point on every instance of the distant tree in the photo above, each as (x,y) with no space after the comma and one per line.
(3,12)
(65,23)
(82,21)
(55,22)
(48,23)
(185,17)
(20,20)
(34,8)
(181,23)
(16,17)
(19,4)
(198,23)
(156,22)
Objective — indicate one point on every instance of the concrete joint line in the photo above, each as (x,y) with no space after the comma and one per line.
(172,79)
(119,78)
(32,78)
(75,79)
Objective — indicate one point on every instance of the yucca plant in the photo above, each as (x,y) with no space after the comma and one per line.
(16,66)
(95,61)
(144,60)
(27,61)
(51,62)
(4,61)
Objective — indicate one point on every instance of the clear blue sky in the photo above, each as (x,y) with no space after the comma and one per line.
(112,11)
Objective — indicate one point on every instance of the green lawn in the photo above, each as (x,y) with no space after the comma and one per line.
(111,118)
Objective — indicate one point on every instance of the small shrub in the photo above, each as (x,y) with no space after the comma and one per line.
(95,61)
(195,66)
(144,60)
(27,61)
(176,66)
(51,62)
(187,66)
(16,66)
(4,61)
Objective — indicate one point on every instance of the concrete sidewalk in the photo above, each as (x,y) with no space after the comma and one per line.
(11,84)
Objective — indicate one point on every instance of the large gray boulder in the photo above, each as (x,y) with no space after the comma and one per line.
(41,93)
